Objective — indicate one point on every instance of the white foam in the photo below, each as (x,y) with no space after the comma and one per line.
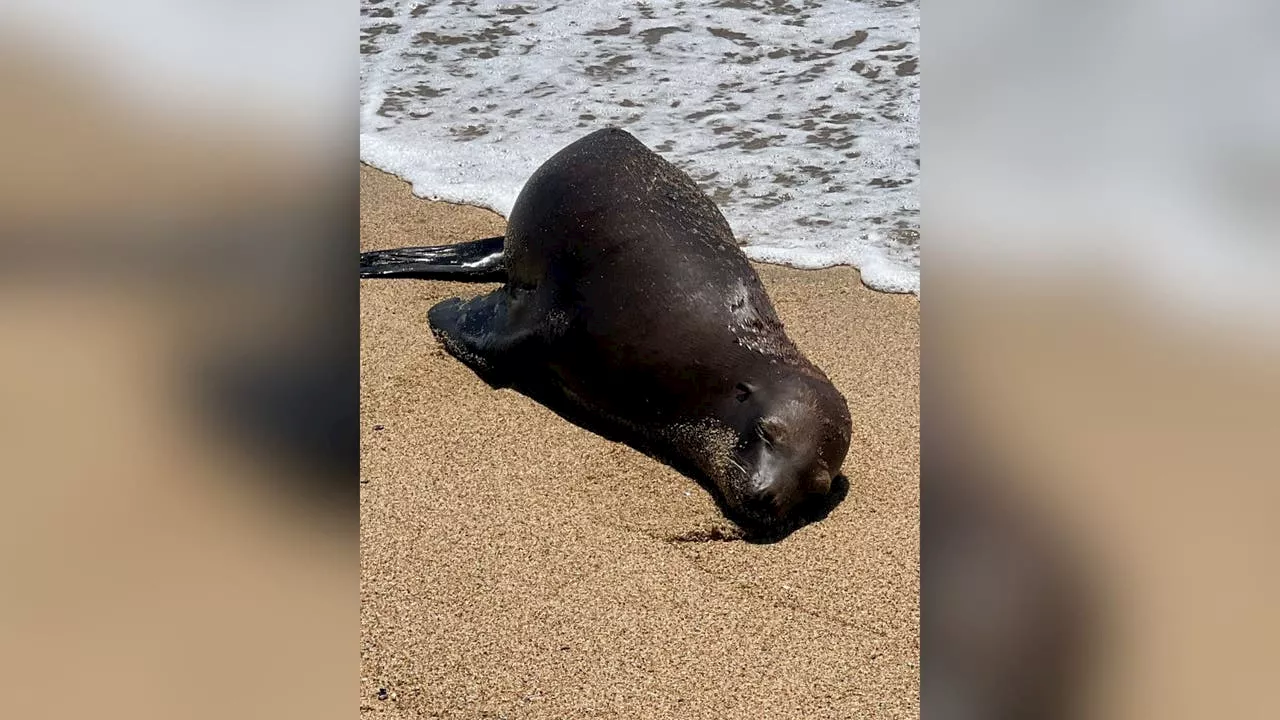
(792,116)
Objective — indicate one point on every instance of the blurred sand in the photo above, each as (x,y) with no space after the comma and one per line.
(514,565)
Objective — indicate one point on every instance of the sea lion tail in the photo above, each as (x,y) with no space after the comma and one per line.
(475,261)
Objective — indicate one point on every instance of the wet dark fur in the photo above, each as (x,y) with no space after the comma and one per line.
(628,308)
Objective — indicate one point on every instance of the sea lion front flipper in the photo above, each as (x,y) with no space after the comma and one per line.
(484,334)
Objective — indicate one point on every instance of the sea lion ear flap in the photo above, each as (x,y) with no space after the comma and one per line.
(744,391)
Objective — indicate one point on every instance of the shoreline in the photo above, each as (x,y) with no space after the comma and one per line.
(366,167)
(514,563)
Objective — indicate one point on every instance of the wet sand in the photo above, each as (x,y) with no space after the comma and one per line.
(514,565)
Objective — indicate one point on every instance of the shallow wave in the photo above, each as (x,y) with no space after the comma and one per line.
(800,119)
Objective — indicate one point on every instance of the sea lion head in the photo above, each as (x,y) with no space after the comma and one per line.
(793,433)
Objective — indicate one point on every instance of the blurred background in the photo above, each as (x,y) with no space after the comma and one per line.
(179,386)
(1101,314)
(178,369)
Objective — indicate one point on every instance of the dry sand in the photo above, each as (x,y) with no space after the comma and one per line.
(514,565)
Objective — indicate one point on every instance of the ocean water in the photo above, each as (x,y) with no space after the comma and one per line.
(799,118)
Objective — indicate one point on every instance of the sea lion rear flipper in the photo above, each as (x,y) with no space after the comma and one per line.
(475,261)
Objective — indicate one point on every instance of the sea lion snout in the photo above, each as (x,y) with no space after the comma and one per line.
(785,481)
(781,489)
(773,511)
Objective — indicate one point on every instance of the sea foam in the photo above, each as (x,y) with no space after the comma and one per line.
(800,119)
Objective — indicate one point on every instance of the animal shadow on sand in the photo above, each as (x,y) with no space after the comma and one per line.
(554,400)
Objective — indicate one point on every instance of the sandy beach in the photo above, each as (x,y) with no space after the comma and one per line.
(514,565)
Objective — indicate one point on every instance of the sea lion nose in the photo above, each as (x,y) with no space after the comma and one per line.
(774,492)
(783,493)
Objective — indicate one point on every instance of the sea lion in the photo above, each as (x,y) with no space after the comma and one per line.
(628,308)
